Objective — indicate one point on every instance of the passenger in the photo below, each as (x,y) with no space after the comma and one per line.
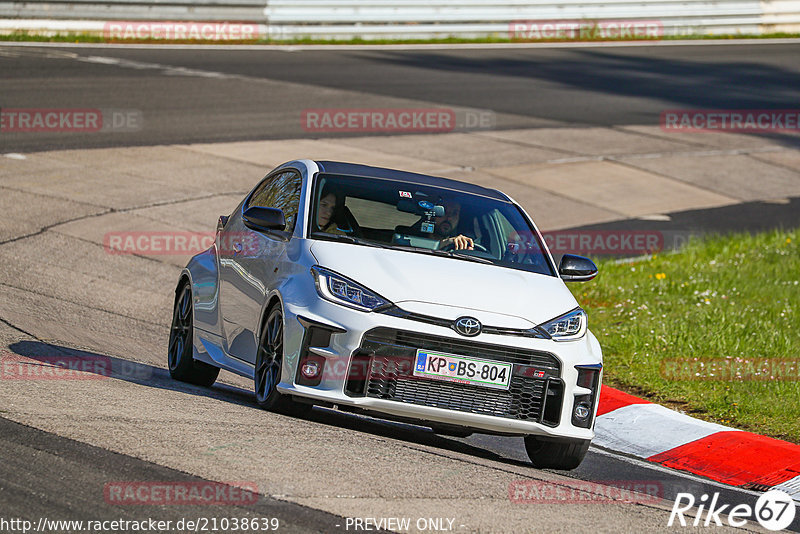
(330,212)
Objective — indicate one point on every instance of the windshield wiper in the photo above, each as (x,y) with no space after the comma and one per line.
(346,239)
(470,257)
(412,248)
(463,256)
(437,252)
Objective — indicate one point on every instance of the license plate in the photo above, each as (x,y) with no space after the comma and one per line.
(452,368)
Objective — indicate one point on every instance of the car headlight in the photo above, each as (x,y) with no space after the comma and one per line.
(571,325)
(341,290)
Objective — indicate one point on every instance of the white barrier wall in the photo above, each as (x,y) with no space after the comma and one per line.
(781,16)
(472,18)
(408,19)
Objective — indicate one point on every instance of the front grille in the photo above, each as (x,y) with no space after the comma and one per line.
(389,376)
(409,342)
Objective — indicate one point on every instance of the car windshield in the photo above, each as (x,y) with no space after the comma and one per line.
(425,219)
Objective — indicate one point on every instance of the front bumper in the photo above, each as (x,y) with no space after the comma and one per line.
(366,359)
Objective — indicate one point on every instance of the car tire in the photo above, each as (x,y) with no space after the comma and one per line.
(269,360)
(556,454)
(180,361)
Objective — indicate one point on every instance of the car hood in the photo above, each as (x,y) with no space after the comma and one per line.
(447,287)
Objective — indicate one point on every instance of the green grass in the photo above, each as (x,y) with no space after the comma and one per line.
(720,298)
(25,36)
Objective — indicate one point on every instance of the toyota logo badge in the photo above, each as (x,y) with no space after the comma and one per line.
(467,326)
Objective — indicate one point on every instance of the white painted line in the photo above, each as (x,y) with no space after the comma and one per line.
(792,487)
(655,217)
(644,430)
(442,46)
(14,155)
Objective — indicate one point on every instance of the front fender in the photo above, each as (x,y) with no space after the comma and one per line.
(294,292)
(203,275)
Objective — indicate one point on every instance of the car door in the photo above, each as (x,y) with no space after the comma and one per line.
(248,259)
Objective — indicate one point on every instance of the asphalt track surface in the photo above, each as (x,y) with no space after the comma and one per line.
(197,95)
(260,95)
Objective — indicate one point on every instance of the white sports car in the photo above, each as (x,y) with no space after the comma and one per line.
(399,295)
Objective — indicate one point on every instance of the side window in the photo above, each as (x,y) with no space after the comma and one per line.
(282,191)
(506,228)
(522,247)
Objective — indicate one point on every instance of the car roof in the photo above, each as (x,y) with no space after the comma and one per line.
(355,169)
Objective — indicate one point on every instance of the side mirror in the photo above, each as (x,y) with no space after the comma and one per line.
(264,219)
(576,268)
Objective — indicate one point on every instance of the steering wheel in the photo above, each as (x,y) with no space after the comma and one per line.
(477,246)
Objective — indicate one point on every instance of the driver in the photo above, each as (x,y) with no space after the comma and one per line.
(445,227)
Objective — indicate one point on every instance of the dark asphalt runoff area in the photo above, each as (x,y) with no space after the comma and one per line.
(210,95)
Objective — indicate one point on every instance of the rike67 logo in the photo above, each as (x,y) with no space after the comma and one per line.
(775,510)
